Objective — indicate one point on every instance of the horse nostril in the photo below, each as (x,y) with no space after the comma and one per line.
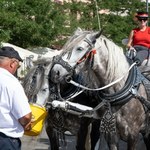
(34,98)
(68,79)
(57,73)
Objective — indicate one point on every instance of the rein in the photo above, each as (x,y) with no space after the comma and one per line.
(72,95)
(102,88)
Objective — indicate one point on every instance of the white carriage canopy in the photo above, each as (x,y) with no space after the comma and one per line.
(30,56)
(27,57)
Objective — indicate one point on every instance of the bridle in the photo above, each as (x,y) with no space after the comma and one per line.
(71,70)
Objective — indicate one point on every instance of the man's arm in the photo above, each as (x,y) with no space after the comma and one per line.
(25,121)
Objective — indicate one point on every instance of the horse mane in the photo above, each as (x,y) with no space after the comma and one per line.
(117,62)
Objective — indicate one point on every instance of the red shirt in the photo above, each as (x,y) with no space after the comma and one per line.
(141,37)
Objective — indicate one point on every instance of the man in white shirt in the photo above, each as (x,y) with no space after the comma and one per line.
(15,112)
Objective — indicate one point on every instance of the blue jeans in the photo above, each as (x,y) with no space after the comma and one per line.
(9,143)
(142,53)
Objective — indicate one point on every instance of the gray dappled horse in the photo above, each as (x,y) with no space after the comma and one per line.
(119,86)
(39,90)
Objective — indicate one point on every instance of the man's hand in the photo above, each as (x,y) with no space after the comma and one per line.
(28,127)
(25,121)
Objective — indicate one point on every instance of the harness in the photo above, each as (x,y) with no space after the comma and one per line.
(130,90)
(57,114)
(127,92)
(58,60)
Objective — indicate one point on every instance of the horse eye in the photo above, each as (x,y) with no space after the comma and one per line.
(44,90)
(79,49)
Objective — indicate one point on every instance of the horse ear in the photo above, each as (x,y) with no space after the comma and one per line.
(95,36)
(78,31)
(98,34)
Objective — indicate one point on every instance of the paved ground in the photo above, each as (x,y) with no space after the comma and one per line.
(41,143)
(35,142)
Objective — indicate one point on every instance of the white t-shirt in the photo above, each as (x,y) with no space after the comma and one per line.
(13,104)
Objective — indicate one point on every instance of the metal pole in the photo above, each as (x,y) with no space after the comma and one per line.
(147,9)
(97,15)
(147,5)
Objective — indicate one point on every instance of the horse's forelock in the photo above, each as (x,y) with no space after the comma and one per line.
(33,80)
(27,80)
(74,40)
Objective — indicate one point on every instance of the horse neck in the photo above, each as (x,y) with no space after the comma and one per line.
(109,65)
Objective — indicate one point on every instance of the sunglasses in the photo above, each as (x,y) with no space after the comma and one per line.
(144,19)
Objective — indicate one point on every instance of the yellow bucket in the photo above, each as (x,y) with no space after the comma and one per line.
(39,114)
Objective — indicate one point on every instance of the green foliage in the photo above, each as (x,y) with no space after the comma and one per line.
(33,23)
(118,23)
(29,23)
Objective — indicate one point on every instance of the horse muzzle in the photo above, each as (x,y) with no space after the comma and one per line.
(58,74)
(68,78)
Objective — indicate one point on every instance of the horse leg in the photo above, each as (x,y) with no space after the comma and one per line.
(113,141)
(132,142)
(95,133)
(146,133)
(82,133)
(88,138)
(53,138)
(147,141)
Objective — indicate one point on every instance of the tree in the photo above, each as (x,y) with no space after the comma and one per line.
(116,24)
(45,23)
(119,22)
(29,23)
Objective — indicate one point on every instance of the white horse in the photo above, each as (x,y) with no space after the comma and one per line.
(120,86)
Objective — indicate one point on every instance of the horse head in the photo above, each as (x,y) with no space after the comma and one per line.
(36,82)
(75,52)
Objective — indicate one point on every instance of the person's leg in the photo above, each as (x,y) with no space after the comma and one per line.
(15,143)
(141,55)
(8,143)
